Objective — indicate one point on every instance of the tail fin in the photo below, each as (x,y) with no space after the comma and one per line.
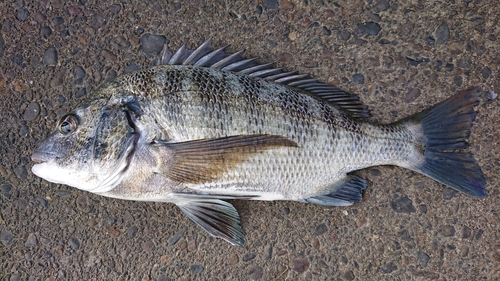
(444,129)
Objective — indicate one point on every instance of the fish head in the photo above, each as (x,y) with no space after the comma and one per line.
(89,149)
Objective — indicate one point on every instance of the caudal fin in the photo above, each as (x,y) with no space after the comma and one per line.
(444,129)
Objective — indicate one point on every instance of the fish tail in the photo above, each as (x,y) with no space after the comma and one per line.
(442,130)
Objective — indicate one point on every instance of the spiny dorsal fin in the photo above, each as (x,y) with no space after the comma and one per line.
(205,56)
(204,160)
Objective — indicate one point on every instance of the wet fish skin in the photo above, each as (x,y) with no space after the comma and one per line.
(195,113)
(196,136)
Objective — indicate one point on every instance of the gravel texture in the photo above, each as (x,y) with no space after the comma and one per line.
(399,56)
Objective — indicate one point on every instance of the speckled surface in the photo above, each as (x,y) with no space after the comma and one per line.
(399,56)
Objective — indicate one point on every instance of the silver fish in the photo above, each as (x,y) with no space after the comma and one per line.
(207,126)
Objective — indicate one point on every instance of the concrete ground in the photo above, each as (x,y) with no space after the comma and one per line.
(399,56)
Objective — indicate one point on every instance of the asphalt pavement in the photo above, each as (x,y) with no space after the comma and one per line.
(398,56)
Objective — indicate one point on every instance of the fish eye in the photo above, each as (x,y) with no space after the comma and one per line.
(68,124)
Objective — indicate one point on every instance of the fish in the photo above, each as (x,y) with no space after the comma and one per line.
(204,127)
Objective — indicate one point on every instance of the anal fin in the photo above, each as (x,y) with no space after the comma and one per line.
(347,192)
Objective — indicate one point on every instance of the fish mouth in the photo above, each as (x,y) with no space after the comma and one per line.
(41,157)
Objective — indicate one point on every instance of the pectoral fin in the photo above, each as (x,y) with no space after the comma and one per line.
(217,217)
(204,160)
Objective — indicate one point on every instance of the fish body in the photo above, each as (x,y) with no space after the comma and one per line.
(210,126)
(324,144)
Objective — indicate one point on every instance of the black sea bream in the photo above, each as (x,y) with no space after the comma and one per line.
(207,126)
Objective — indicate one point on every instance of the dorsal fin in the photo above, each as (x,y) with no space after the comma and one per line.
(205,56)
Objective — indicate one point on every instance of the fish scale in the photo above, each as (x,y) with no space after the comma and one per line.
(284,116)
(209,126)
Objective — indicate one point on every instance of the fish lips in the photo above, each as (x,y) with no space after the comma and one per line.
(41,157)
(41,160)
(46,168)
(44,160)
